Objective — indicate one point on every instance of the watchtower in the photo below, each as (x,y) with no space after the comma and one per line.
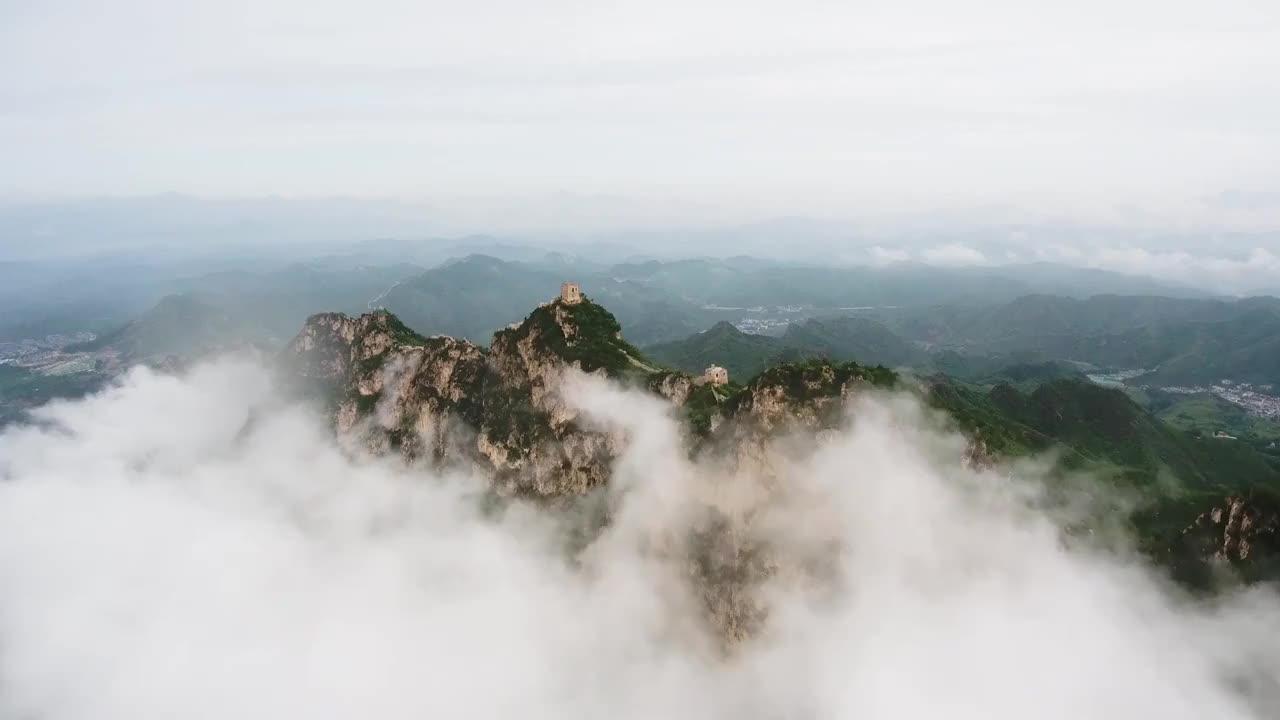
(716,375)
(570,293)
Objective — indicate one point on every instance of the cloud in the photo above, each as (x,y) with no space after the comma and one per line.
(1221,273)
(764,107)
(198,547)
(881,255)
(953,254)
(1254,270)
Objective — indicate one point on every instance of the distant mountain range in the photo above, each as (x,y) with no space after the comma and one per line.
(967,323)
(103,293)
(181,325)
(1183,341)
(744,355)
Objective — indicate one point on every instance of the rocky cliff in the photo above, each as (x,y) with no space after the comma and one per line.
(451,401)
(1240,534)
(501,408)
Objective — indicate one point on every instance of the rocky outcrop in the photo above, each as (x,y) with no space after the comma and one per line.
(1237,530)
(673,386)
(450,401)
(808,398)
(443,400)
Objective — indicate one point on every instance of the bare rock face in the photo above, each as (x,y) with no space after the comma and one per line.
(442,400)
(805,398)
(976,454)
(324,347)
(1236,530)
(808,396)
(674,386)
(448,400)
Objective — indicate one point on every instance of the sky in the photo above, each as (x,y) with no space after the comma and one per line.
(747,108)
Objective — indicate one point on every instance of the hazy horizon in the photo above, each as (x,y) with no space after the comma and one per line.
(1214,259)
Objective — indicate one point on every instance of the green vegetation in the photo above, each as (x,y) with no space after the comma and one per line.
(400,333)
(742,354)
(371,363)
(745,355)
(1244,348)
(476,296)
(401,336)
(975,413)
(1185,341)
(183,325)
(1102,424)
(853,338)
(1105,425)
(1027,376)
(746,282)
(1103,429)
(808,383)
(366,404)
(22,389)
(507,415)
(705,402)
(1204,414)
(817,378)
(595,344)
(1016,404)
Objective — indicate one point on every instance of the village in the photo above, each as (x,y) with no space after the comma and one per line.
(51,354)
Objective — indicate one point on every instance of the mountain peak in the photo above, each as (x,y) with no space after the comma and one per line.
(724,327)
(582,334)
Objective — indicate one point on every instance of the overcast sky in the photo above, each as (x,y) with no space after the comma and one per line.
(789,106)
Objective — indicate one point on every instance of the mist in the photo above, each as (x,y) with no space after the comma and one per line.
(198,546)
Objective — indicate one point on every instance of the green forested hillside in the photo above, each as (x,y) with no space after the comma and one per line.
(1105,429)
(1185,341)
(745,284)
(21,389)
(742,354)
(184,325)
(853,338)
(478,295)
(1243,349)
(745,354)
(1036,322)
(1206,414)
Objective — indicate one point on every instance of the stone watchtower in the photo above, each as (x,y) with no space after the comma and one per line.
(570,294)
(716,375)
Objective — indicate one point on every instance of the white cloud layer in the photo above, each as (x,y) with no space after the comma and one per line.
(953,254)
(161,559)
(1257,270)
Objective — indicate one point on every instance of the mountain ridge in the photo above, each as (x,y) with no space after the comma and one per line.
(445,400)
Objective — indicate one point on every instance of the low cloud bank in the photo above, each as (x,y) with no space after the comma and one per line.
(1244,272)
(197,547)
(1254,271)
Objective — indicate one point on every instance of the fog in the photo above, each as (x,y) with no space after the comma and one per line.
(173,237)
(199,547)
